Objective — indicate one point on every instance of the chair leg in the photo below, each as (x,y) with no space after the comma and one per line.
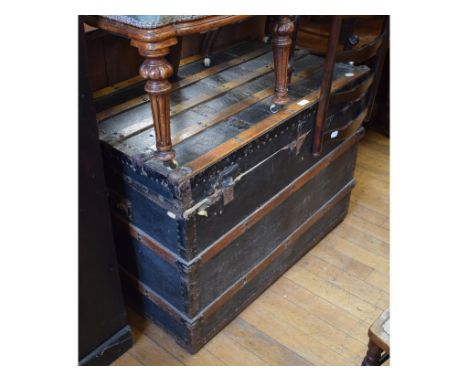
(373,355)
(207,47)
(325,88)
(157,69)
(281,43)
(174,57)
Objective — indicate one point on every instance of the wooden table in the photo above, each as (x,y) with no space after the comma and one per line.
(154,45)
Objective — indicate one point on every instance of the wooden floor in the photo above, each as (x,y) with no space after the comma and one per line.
(319,311)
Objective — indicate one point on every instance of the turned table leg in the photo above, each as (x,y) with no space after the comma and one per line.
(157,69)
(373,355)
(281,44)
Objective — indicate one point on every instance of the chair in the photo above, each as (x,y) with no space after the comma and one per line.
(342,31)
(379,341)
(154,35)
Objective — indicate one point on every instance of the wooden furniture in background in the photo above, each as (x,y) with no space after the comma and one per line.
(104,333)
(356,33)
(154,44)
(376,48)
(378,350)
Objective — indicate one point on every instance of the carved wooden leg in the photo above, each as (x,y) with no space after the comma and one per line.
(281,44)
(157,69)
(373,355)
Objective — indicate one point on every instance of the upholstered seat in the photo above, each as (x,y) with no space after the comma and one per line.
(152,21)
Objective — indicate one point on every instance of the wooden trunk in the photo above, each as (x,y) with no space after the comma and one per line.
(199,241)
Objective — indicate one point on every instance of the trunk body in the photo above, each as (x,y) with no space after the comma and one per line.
(198,243)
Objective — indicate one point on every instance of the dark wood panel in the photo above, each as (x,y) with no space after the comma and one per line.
(313,34)
(103,330)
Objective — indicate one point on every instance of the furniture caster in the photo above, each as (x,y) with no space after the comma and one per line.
(274,108)
(172,164)
(207,62)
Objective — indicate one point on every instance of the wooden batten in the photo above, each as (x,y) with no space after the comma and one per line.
(348,130)
(279,198)
(189,80)
(353,94)
(245,137)
(159,249)
(183,106)
(247,278)
(236,108)
(250,221)
(224,88)
(218,68)
(151,295)
(278,250)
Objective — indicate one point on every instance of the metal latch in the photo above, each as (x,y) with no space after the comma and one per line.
(228,193)
(226,182)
